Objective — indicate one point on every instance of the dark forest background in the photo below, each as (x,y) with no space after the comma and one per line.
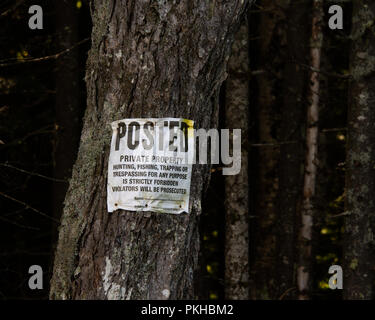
(42,102)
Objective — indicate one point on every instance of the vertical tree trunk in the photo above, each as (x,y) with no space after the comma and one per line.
(237,186)
(148,59)
(67,103)
(307,213)
(291,148)
(359,250)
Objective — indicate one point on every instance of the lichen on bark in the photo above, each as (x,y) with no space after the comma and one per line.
(359,253)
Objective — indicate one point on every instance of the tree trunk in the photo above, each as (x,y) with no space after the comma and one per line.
(148,59)
(291,148)
(359,251)
(307,213)
(271,62)
(237,186)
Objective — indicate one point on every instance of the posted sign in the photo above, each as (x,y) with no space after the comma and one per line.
(149,166)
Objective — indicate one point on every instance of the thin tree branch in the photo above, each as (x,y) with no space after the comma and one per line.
(29,207)
(33,173)
(334,129)
(6,63)
(30,134)
(18,224)
(286,292)
(328,74)
(272,144)
(345,213)
(14,7)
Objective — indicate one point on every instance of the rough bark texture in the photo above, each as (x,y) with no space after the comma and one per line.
(290,136)
(359,250)
(237,186)
(271,62)
(67,103)
(311,158)
(148,59)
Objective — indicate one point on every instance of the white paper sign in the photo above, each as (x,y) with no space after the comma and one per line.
(149,167)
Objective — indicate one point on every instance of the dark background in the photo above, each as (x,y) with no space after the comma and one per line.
(29,130)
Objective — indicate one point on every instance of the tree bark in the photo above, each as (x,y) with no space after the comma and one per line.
(237,186)
(148,59)
(359,251)
(312,132)
(271,60)
(291,149)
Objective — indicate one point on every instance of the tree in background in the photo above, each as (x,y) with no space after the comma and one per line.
(359,250)
(307,211)
(264,109)
(292,124)
(237,186)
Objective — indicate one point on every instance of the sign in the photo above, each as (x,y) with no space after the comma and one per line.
(150,164)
